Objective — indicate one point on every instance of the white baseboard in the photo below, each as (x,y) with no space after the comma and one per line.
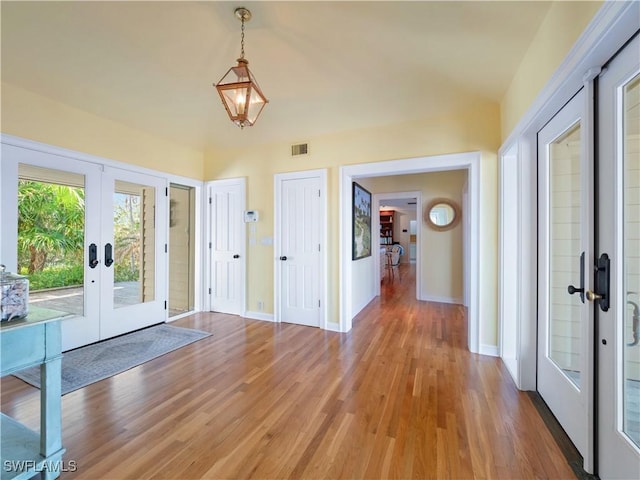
(267,317)
(435,298)
(332,327)
(490,350)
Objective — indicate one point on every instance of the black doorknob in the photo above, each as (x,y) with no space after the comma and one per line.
(236,256)
(283,258)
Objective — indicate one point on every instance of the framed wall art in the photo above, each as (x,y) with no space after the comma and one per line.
(361,222)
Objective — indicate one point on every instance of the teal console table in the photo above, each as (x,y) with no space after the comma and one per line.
(34,340)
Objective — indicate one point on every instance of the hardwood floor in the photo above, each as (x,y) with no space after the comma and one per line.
(397,397)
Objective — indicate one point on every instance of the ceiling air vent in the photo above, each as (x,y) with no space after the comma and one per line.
(299,149)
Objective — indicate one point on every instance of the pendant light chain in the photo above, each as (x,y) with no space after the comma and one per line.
(242,39)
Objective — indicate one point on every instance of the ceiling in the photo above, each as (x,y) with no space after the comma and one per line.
(400,204)
(324,66)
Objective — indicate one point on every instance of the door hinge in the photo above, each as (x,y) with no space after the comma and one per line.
(166,191)
(318,247)
(209,245)
(318,192)
(209,290)
(165,304)
(166,249)
(318,303)
(209,200)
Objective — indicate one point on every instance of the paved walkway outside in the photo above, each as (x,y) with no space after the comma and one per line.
(72,300)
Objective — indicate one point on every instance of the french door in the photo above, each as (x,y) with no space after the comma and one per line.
(618,237)
(109,246)
(132,251)
(565,328)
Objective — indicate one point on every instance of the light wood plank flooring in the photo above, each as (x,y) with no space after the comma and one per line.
(397,397)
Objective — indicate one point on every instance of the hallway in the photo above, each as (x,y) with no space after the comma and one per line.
(397,397)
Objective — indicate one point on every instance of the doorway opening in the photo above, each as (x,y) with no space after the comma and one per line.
(182,246)
(466,161)
(392,215)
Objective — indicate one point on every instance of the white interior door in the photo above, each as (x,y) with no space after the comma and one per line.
(618,235)
(565,374)
(298,249)
(133,251)
(228,246)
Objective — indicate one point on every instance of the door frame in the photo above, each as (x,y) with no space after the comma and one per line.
(611,27)
(437,163)
(278,179)
(200,222)
(242,181)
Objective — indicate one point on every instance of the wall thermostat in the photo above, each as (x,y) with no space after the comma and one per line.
(251,216)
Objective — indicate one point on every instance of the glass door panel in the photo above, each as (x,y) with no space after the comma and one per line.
(133,244)
(565,243)
(630,383)
(51,237)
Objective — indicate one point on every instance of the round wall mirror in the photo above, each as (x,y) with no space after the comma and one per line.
(442,214)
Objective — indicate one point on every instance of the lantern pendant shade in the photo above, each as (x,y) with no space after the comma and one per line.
(241,95)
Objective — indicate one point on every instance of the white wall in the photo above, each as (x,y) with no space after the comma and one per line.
(363,287)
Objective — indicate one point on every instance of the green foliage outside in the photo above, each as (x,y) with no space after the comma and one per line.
(50,225)
(51,235)
(55,277)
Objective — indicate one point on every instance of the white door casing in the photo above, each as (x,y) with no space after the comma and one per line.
(300,245)
(227,201)
(618,236)
(436,163)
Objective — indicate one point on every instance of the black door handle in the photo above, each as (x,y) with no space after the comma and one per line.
(283,258)
(571,289)
(93,256)
(108,255)
(602,283)
(236,256)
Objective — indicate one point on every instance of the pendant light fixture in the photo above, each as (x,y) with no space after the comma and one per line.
(238,89)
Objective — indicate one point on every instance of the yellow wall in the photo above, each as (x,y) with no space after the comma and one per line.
(34,117)
(557,34)
(441,252)
(474,130)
